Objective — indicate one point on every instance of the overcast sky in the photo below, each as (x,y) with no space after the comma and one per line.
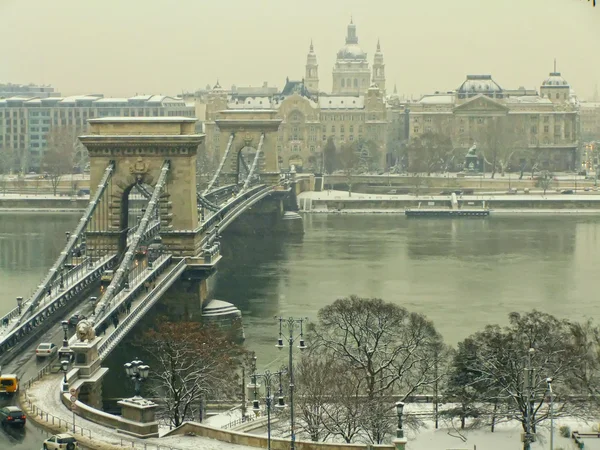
(124,47)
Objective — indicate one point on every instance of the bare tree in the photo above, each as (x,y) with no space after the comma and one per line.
(498,365)
(193,361)
(58,156)
(314,377)
(349,160)
(344,414)
(499,140)
(430,152)
(389,349)
(545,180)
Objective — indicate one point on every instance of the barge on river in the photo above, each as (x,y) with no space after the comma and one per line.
(453,211)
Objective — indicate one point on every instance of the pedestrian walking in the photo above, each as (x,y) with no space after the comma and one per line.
(128,306)
(153,286)
(147,286)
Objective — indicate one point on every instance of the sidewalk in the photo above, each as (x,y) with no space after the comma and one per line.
(44,395)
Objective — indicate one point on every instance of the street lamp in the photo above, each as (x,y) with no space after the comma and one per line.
(529,436)
(138,372)
(269,398)
(65,353)
(551,394)
(64,366)
(20,304)
(291,323)
(399,410)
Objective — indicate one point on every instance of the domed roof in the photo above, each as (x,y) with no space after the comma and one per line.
(351,50)
(555,79)
(479,84)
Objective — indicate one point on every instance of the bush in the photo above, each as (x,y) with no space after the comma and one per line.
(565,431)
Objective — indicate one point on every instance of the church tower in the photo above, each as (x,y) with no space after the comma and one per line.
(311,78)
(379,69)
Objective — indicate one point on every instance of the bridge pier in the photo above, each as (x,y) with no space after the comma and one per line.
(184,300)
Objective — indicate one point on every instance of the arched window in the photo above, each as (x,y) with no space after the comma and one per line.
(349,82)
(557,95)
(355,82)
(343,83)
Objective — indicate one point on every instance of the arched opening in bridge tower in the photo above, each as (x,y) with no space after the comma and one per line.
(134,202)
(245,158)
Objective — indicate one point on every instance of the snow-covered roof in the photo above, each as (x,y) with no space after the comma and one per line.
(250,103)
(446,99)
(589,105)
(342,102)
(531,99)
(143,119)
(111,100)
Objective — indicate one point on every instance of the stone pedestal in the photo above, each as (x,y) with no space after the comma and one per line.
(138,417)
(400,443)
(86,357)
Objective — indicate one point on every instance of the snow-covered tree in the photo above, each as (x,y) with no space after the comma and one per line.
(192,362)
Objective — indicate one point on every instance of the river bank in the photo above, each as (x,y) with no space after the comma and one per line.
(499,203)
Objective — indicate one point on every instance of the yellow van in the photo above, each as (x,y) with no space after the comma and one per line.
(9,383)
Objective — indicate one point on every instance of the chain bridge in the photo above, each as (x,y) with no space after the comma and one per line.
(155,160)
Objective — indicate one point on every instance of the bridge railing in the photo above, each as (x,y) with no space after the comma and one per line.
(158,267)
(215,218)
(239,208)
(41,291)
(25,328)
(140,309)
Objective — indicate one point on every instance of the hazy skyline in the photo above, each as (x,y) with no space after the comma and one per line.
(120,48)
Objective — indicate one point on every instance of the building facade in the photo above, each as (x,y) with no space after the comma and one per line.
(540,127)
(355,110)
(26,122)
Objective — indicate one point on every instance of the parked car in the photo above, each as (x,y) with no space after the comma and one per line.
(61,442)
(567,191)
(75,319)
(13,416)
(9,383)
(46,349)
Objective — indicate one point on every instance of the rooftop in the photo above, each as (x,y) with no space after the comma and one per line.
(143,119)
(342,102)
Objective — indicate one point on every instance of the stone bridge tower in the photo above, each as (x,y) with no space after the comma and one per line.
(139,146)
(248,126)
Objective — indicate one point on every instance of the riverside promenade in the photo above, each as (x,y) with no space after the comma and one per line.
(534,202)
(42,404)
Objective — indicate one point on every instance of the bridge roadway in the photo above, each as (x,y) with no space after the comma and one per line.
(75,281)
(163,274)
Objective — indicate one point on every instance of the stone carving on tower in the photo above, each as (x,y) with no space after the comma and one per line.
(311,77)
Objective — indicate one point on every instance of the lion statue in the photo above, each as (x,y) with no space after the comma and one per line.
(85,331)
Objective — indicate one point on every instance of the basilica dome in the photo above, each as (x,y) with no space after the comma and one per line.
(351,51)
(555,79)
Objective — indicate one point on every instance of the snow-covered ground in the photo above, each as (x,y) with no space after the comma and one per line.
(45,395)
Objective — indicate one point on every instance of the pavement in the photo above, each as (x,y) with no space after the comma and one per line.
(45,395)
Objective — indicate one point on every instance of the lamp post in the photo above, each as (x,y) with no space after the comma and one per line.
(291,324)
(551,394)
(65,353)
(269,399)
(138,372)
(529,436)
(399,430)
(64,366)
(20,304)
